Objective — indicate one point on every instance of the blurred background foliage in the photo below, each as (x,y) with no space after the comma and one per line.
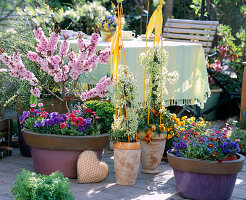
(83,15)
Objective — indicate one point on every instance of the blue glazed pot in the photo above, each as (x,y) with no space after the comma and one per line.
(205,180)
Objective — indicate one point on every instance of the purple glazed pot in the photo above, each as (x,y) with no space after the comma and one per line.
(205,180)
(60,152)
(47,161)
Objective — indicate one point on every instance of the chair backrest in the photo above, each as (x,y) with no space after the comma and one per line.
(185,30)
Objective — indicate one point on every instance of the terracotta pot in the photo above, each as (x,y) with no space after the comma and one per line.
(152,153)
(203,180)
(60,152)
(126,162)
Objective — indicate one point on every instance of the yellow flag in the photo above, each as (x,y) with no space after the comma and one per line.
(155,22)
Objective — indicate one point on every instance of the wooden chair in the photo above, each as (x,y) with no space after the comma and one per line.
(185,30)
(5,146)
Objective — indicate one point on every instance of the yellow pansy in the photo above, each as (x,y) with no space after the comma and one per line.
(184,118)
(182,129)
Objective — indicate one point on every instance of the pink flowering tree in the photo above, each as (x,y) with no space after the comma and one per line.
(64,66)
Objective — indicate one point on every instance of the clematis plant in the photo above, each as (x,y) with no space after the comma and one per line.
(63,66)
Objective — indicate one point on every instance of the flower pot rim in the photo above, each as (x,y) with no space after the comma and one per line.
(127,145)
(206,167)
(65,142)
(64,136)
(162,136)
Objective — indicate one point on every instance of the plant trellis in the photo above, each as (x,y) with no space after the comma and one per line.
(116,47)
(155,23)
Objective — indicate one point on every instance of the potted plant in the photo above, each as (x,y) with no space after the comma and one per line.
(205,164)
(107,25)
(127,149)
(104,111)
(152,130)
(31,186)
(56,140)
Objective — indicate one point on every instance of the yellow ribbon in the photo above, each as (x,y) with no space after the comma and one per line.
(155,22)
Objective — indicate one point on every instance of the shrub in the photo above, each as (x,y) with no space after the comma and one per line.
(104,111)
(31,186)
(19,35)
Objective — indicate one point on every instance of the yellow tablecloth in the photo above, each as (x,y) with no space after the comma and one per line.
(187,59)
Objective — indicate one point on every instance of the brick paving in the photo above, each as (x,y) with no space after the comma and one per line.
(159,186)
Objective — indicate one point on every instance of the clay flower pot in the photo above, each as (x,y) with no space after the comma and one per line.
(126,162)
(203,180)
(60,152)
(152,153)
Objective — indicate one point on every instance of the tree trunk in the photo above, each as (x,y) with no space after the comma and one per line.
(211,10)
(168,10)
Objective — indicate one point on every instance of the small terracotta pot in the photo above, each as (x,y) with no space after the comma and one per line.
(151,154)
(126,162)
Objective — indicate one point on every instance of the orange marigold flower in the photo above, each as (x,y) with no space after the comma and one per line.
(149,132)
(155,112)
(146,137)
(162,127)
(148,141)
(153,127)
(169,136)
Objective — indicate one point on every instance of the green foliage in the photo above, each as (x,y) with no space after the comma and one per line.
(75,15)
(31,186)
(240,135)
(125,119)
(230,12)
(230,55)
(104,110)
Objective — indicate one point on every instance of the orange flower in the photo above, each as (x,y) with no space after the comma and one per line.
(162,127)
(147,137)
(153,127)
(149,132)
(155,112)
(148,141)
(169,136)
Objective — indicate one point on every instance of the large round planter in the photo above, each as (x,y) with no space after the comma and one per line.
(203,180)
(59,152)
(152,153)
(126,162)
